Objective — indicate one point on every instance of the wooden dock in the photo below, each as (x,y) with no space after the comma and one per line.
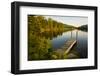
(65,49)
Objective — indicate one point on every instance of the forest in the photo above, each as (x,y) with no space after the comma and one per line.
(83,27)
(40,32)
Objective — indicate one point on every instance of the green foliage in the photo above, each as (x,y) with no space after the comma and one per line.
(40,32)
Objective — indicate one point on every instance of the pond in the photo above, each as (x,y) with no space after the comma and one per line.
(81,45)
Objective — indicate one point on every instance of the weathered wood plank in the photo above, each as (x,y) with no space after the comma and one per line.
(69,48)
(66,47)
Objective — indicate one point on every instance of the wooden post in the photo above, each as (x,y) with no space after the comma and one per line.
(76,38)
(76,34)
(71,33)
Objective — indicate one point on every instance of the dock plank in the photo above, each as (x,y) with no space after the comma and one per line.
(65,49)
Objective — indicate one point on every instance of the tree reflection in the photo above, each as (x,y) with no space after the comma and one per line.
(40,32)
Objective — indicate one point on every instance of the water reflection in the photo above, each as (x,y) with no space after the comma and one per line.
(52,34)
(42,44)
(81,46)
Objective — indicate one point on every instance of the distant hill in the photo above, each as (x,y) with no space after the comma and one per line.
(83,27)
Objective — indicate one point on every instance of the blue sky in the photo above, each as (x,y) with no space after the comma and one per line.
(71,20)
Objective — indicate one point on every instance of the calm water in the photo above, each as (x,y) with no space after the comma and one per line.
(81,45)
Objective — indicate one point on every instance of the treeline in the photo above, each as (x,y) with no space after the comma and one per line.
(83,27)
(41,24)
